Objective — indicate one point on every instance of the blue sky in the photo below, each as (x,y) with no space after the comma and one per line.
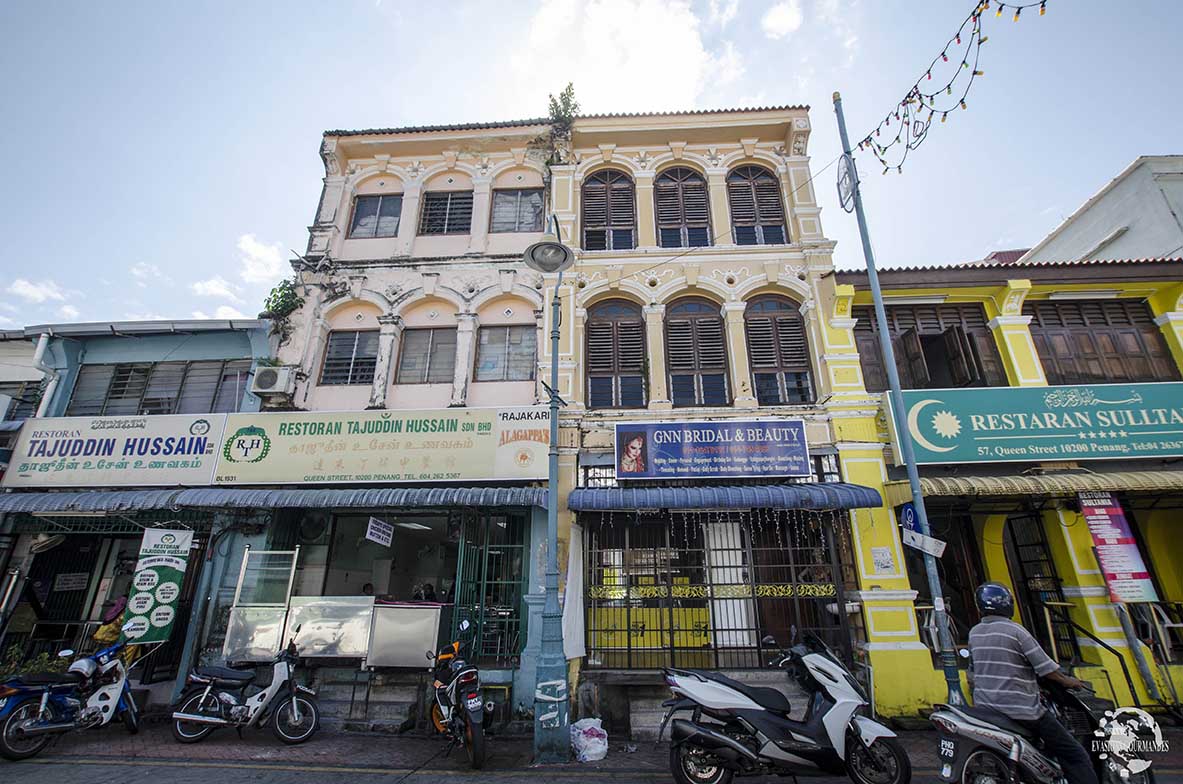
(162,157)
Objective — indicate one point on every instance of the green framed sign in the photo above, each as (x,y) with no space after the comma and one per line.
(1022,424)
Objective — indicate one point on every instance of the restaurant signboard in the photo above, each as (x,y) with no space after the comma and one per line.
(695,450)
(1117,550)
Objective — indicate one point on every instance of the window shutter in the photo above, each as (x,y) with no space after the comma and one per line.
(743,202)
(163,388)
(595,205)
(761,343)
(630,347)
(620,203)
(615,356)
(792,343)
(912,357)
(669,203)
(90,390)
(601,349)
(768,201)
(961,365)
(680,344)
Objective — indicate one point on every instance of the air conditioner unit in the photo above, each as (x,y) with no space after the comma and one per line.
(274,380)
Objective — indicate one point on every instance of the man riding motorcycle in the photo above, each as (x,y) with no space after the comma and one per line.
(1006,662)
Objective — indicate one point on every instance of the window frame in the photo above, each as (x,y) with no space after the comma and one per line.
(352,358)
(748,173)
(531,329)
(608,227)
(350,235)
(637,317)
(517,229)
(699,371)
(402,348)
(685,174)
(786,308)
(423,205)
(245,366)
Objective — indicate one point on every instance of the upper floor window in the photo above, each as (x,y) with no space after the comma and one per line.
(757,212)
(696,353)
(609,211)
(517,210)
(207,387)
(24,396)
(376,216)
(615,355)
(428,356)
(935,346)
(507,353)
(683,211)
(1093,341)
(350,357)
(778,352)
(446,212)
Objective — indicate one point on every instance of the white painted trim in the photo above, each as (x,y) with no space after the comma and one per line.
(1085,642)
(881,595)
(894,646)
(1084,294)
(1063,526)
(911,631)
(1170,317)
(1009,321)
(1097,627)
(919,299)
(843,323)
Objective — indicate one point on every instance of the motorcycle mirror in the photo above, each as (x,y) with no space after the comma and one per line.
(769,641)
(297,629)
(66,653)
(963,653)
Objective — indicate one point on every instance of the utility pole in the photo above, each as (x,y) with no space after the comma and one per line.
(848,178)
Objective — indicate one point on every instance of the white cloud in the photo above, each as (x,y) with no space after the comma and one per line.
(41,291)
(217,286)
(841,20)
(144,317)
(146,273)
(728,65)
(5,321)
(721,13)
(609,50)
(6,306)
(68,312)
(781,19)
(260,263)
(223,312)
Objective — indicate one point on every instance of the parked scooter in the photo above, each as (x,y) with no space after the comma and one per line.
(979,745)
(217,698)
(36,708)
(752,734)
(457,711)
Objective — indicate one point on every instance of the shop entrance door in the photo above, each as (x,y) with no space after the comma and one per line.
(1036,583)
(489,582)
(59,578)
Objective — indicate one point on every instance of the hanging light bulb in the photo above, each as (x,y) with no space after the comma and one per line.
(979,73)
(962,103)
(983,39)
(1017,12)
(965,64)
(1001,8)
(948,89)
(944,57)
(930,76)
(1043,8)
(944,116)
(959,38)
(899,169)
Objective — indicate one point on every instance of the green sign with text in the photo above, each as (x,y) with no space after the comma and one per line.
(1022,424)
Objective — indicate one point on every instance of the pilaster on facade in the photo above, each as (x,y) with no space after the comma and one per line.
(482,195)
(390,328)
(1167,307)
(408,221)
(659,396)
(646,219)
(466,324)
(1012,335)
(737,348)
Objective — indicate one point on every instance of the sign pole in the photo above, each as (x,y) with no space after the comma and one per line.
(903,436)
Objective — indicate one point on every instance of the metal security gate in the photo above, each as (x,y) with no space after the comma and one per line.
(1037,584)
(702,589)
(489,578)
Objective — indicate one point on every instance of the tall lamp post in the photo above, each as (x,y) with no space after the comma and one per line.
(850,195)
(551,737)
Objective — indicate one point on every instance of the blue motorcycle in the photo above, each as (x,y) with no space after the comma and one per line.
(34,709)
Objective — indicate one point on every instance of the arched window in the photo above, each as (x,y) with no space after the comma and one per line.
(778,352)
(615,355)
(757,213)
(683,214)
(609,211)
(696,352)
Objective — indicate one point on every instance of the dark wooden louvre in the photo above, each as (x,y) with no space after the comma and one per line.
(1094,341)
(778,352)
(683,210)
(446,212)
(757,212)
(609,211)
(696,354)
(615,355)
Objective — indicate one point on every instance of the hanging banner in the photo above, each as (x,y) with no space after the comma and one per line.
(1022,424)
(121,451)
(438,445)
(693,450)
(156,586)
(1117,550)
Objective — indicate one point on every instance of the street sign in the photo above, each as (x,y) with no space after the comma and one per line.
(925,544)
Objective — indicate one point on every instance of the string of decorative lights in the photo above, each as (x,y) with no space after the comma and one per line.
(912,124)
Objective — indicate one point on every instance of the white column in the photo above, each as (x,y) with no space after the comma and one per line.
(390,329)
(465,341)
(408,220)
(481,205)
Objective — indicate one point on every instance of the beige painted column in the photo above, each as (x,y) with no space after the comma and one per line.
(737,351)
(720,207)
(659,396)
(408,219)
(646,220)
(466,324)
(579,360)
(390,329)
(481,204)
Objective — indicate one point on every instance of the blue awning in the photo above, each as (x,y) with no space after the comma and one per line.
(826,495)
(94,501)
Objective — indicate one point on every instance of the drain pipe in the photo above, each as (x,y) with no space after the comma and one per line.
(51,374)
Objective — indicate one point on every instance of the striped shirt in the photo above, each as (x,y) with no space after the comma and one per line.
(1006,662)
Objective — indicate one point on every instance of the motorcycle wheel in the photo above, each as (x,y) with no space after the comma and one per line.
(187,732)
(688,769)
(474,743)
(285,726)
(883,762)
(14,746)
(985,767)
(131,719)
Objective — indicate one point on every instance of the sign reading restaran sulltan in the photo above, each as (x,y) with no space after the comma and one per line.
(1023,424)
(116,451)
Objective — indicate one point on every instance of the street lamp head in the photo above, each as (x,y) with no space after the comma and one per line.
(549,255)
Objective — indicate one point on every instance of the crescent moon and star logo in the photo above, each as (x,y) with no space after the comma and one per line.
(943,423)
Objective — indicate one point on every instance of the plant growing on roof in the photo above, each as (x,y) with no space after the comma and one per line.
(280,304)
(555,147)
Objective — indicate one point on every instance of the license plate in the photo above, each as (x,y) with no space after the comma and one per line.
(473,703)
(948,748)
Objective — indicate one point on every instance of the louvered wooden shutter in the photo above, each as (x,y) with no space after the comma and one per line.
(768,202)
(621,203)
(912,358)
(680,344)
(962,368)
(630,346)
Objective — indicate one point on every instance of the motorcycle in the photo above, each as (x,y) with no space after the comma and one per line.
(217,697)
(979,745)
(752,734)
(457,711)
(36,708)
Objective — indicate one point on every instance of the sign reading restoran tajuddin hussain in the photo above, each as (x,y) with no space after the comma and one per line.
(1011,424)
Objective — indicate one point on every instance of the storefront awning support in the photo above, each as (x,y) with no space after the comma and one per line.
(849,192)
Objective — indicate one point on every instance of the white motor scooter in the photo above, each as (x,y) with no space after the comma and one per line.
(752,734)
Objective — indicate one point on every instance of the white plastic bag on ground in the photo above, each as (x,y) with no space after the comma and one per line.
(589,740)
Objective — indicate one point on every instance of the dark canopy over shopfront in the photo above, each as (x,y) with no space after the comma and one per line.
(805,495)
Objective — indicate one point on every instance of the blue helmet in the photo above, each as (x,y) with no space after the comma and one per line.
(995,599)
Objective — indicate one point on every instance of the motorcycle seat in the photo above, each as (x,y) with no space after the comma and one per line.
(51,679)
(225,674)
(764,696)
(998,719)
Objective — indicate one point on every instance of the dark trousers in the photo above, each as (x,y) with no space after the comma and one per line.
(1059,743)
